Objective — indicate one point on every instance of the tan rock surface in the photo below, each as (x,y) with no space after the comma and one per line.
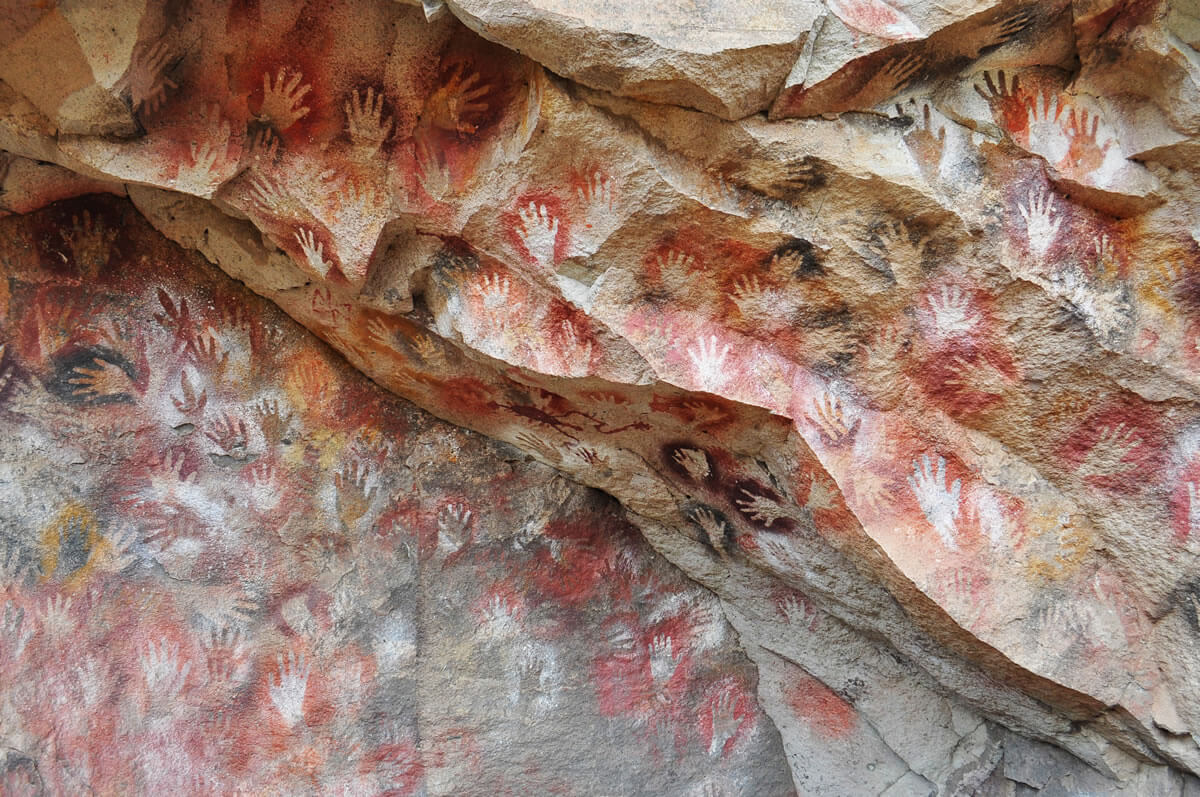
(924,374)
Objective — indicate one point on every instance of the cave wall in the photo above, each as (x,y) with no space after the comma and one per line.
(234,564)
(877,321)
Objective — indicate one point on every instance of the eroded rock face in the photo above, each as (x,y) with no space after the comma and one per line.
(231,562)
(911,388)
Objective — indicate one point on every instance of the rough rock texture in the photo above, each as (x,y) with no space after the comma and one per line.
(880,321)
(232,563)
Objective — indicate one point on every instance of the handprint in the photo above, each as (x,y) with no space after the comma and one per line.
(380,331)
(456,101)
(115,554)
(91,674)
(15,633)
(353,497)
(538,676)
(272,335)
(314,178)
(172,470)
(884,355)
(926,144)
(1046,135)
(90,241)
(313,251)
(939,503)
(796,610)
(164,674)
(1041,226)
(14,568)
(747,295)
(264,148)
(190,403)
(725,723)
(354,202)
(705,413)
(453,522)
(992,519)
(106,380)
(597,198)
(831,346)
(531,442)
(872,491)
(675,268)
(538,230)
(709,362)
(762,509)
(534,530)
(992,34)
(755,302)
(1061,623)
(494,290)
(620,640)
(1008,103)
(500,619)
(1107,456)
(110,332)
(229,433)
(322,555)
(597,191)
(1107,265)
(365,121)
(288,687)
(273,423)
(895,75)
(223,647)
(313,380)
(799,175)
(663,659)
(577,349)
(725,195)
(208,354)
(74,533)
(281,102)
(432,169)
(693,461)
(266,194)
(348,344)
(829,417)
(952,311)
(980,376)
(55,326)
(145,81)
(713,527)
(1085,153)
(590,456)
(208,157)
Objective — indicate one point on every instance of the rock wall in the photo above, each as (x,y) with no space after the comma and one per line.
(233,564)
(877,319)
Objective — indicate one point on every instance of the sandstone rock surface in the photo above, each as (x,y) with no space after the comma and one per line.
(878,319)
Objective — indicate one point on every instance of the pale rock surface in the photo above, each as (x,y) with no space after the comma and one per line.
(728,59)
(909,383)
